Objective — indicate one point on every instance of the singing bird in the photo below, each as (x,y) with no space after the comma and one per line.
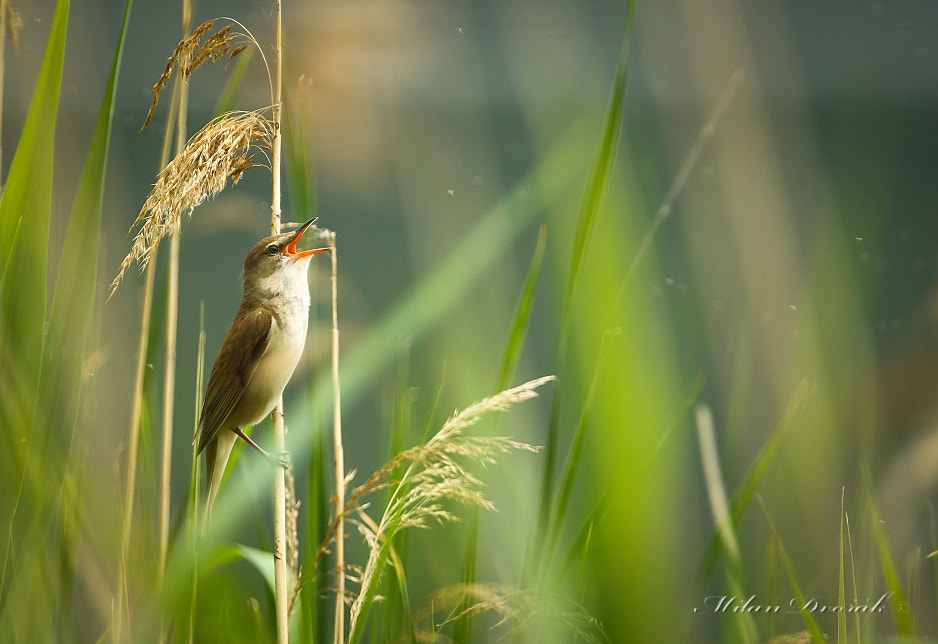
(259,353)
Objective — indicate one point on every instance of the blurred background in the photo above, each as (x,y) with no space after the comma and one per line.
(799,247)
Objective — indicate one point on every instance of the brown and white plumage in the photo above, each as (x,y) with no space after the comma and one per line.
(259,352)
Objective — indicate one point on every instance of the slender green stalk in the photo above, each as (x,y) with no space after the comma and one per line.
(593,196)
(281,581)
(903,617)
(136,410)
(339,461)
(561,504)
(522,316)
(841,573)
(722,519)
(680,181)
(172,317)
(758,470)
(193,515)
(806,614)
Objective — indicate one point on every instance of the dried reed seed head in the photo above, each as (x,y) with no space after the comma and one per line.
(14,22)
(189,55)
(432,477)
(217,153)
(217,45)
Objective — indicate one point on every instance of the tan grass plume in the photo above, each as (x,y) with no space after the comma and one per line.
(190,54)
(515,610)
(434,477)
(219,152)
(13,21)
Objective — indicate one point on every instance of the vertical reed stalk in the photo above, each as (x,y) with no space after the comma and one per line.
(281,582)
(339,458)
(172,316)
(133,432)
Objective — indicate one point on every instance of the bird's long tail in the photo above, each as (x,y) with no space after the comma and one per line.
(216,458)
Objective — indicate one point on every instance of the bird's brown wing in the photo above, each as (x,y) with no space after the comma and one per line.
(240,353)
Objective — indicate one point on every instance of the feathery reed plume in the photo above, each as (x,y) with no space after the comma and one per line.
(189,55)
(433,475)
(220,151)
(517,609)
(12,20)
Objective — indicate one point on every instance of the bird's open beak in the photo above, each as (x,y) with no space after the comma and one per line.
(291,251)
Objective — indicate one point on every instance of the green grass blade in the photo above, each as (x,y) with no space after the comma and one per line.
(853,576)
(29,184)
(192,506)
(462,627)
(841,573)
(898,600)
(522,316)
(760,466)
(317,516)
(593,197)
(25,210)
(368,593)
(74,296)
(395,587)
(806,613)
(229,93)
(598,180)
(571,463)
(719,508)
(581,538)
(298,163)
(449,282)
(261,560)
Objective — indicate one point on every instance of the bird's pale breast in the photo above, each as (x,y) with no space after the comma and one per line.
(274,369)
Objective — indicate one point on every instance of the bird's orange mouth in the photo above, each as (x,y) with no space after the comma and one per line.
(291,251)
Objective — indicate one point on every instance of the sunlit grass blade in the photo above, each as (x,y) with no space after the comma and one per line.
(806,614)
(312,589)
(522,316)
(298,163)
(192,504)
(841,572)
(760,466)
(229,93)
(898,600)
(561,504)
(598,180)
(25,211)
(462,625)
(74,297)
(719,508)
(443,288)
(593,196)
(853,576)
(395,586)
(432,474)
(579,543)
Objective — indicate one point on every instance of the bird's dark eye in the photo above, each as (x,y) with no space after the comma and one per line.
(273,249)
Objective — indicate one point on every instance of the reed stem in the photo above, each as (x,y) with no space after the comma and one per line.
(339,459)
(281,581)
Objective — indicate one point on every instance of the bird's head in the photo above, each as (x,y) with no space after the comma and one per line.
(275,264)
